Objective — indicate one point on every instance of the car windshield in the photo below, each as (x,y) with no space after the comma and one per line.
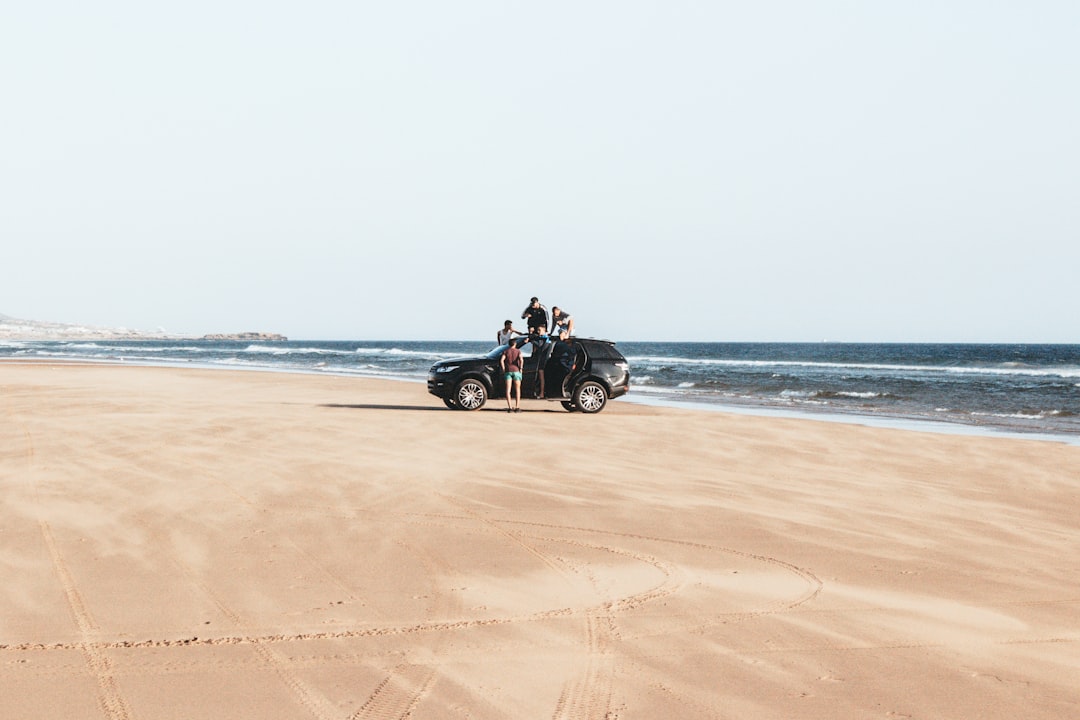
(526,349)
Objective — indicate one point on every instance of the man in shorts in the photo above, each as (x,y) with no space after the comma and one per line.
(512,363)
(562,323)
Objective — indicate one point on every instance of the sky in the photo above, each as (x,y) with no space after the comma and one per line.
(671,171)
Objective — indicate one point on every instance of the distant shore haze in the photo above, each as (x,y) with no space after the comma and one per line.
(17,329)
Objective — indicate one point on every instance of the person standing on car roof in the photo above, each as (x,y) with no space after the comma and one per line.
(537,317)
(562,324)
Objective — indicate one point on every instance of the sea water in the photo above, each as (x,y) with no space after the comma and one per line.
(1014,388)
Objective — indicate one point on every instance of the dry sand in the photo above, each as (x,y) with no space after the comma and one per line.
(207,544)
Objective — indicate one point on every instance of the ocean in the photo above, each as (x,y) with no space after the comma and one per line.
(1028,389)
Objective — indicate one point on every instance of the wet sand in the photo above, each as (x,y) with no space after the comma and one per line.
(211,544)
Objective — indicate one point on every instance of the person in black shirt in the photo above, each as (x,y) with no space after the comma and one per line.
(537,317)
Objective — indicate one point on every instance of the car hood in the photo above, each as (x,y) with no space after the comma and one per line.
(461,360)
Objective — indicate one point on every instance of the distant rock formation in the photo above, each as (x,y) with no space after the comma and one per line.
(14,329)
(247,337)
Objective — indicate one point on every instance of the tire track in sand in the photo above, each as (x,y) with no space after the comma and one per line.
(109,699)
(398,694)
(407,683)
(813,583)
(309,698)
(589,694)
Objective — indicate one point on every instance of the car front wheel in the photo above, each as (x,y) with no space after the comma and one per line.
(450,403)
(470,394)
(590,397)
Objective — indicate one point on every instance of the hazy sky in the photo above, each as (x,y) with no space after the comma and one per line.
(803,170)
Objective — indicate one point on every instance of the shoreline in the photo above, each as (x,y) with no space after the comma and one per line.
(891,423)
(641,398)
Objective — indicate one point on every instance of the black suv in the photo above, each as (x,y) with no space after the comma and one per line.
(582,373)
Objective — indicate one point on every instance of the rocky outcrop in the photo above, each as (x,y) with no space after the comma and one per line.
(14,329)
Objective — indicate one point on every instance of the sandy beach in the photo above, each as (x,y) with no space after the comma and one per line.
(212,544)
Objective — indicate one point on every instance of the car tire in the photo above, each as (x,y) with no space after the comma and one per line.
(470,394)
(571,407)
(450,403)
(590,397)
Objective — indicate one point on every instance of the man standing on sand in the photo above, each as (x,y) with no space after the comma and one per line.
(507,333)
(541,349)
(512,364)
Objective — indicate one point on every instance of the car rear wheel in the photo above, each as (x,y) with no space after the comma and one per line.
(470,394)
(590,397)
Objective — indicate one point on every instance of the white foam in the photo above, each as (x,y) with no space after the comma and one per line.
(400,352)
(266,350)
(305,351)
(911,425)
(1012,416)
(1010,369)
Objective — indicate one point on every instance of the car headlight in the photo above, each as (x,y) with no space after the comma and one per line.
(446,368)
